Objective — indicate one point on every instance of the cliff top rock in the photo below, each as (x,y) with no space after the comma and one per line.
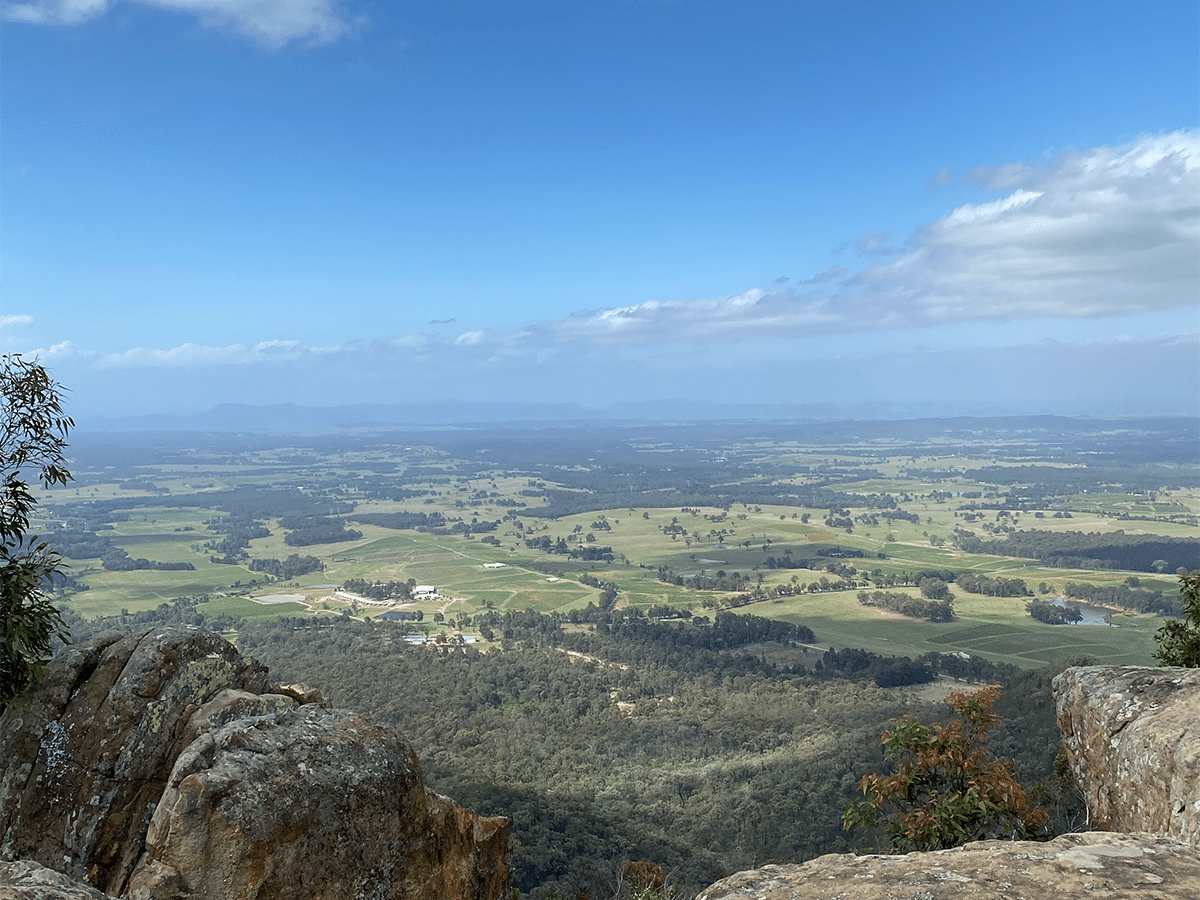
(1132,736)
(1091,864)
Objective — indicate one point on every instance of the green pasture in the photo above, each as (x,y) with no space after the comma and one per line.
(739,540)
(240,607)
(996,629)
(141,589)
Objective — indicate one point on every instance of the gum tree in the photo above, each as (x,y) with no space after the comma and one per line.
(33,433)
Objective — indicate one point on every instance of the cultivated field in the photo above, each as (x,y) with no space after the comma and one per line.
(173,508)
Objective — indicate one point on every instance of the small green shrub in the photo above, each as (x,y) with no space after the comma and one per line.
(945,788)
(1179,642)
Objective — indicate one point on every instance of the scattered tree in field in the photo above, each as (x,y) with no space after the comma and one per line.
(934,589)
(1179,642)
(33,432)
(945,788)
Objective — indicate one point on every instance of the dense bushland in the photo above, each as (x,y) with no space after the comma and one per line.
(623,738)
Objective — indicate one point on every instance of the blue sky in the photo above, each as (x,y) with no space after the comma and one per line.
(950,206)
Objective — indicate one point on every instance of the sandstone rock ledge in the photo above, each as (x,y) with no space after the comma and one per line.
(1091,864)
(160,764)
(1133,740)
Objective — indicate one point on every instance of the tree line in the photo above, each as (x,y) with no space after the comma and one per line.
(305,530)
(906,605)
(292,567)
(1093,550)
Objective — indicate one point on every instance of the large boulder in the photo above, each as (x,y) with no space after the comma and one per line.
(1132,737)
(160,764)
(1092,864)
(312,803)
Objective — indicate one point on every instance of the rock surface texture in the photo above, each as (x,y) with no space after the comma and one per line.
(1133,740)
(1092,864)
(159,764)
(28,880)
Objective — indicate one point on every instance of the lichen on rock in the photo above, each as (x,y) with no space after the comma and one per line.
(85,757)
(29,880)
(1132,737)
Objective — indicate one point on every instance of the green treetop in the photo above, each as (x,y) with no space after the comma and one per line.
(1179,642)
(33,432)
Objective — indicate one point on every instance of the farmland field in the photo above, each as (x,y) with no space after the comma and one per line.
(755,518)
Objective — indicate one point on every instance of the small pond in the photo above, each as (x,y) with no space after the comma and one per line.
(1092,615)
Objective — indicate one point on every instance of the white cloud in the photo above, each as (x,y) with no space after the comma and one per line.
(1111,231)
(1105,232)
(271,23)
(55,12)
(194,355)
(6,321)
(61,352)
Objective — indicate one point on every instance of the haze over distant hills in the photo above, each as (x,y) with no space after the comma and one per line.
(290,418)
(283,418)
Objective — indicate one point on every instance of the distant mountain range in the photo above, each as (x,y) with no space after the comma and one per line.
(289,418)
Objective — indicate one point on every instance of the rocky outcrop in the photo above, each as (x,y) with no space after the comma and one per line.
(1092,864)
(1132,737)
(28,880)
(312,803)
(161,764)
(1133,741)
(86,756)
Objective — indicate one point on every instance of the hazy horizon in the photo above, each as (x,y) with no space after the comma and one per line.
(939,210)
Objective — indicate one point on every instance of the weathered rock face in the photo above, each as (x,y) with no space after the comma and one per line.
(312,803)
(1133,740)
(1092,864)
(162,757)
(86,757)
(28,880)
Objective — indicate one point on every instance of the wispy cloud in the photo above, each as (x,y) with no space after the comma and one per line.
(874,243)
(188,355)
(6,321)
(831,274)
(270,23)
(55,12)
